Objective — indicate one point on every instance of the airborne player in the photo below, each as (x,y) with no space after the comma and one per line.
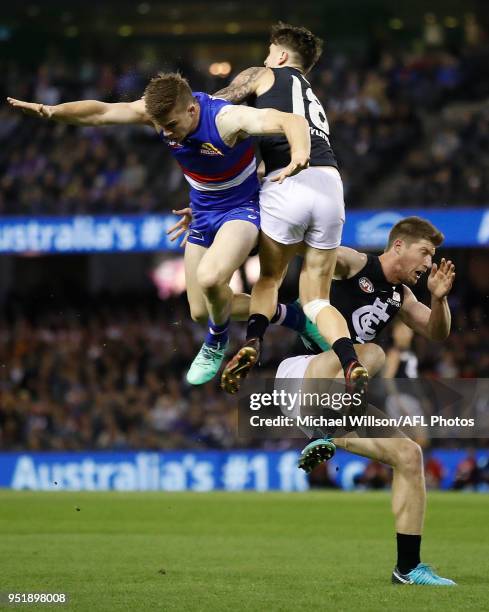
(309,211)
(210,139)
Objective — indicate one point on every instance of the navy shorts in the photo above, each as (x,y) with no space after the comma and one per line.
(206,223)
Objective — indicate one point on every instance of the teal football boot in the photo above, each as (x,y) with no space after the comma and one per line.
(315,453)
(206,364)
(422,574)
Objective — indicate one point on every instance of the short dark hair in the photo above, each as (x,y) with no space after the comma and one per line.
(300,41)
(164,92)
(412,229)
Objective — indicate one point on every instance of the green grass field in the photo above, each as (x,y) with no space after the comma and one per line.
(237,551)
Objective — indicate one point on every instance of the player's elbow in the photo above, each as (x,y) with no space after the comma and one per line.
(438,334)
(293,121)
(301,122)
(439,337)
(279,122)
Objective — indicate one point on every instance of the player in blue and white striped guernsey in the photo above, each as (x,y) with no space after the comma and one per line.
(210,139)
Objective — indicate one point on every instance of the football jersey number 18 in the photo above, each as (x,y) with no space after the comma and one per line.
(315,109)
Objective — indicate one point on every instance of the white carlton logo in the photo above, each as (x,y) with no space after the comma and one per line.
(366,318)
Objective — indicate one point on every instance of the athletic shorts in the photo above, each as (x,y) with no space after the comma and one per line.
(294,367)
(307,207)
(206,223)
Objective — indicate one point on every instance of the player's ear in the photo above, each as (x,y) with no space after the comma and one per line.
(397,245)
(284,56)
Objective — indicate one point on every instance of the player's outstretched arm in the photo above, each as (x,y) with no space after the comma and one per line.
(87,112)
(235,122)
(433,323)
(245,84)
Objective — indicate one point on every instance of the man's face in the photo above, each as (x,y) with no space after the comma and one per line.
(178,123)
(276,56)
(414,259)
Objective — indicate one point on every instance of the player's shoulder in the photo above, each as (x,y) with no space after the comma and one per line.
(408,295)
(255,73)
(349,262)
(256,79)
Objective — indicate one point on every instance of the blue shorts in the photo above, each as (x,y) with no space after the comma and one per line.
(206,223)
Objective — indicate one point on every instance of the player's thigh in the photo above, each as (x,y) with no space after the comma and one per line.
(324,365)
(192,258)
(274,257)
(327,210)
(317,273)
(229,250)
(327,365)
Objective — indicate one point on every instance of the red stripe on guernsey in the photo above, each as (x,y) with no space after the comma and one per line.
(234,171)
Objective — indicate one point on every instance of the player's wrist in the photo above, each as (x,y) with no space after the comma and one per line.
(437,298)
(300,157)
(46,111)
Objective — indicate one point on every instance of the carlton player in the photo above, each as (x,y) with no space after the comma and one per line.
(308,210)
(210,139)
(370,292)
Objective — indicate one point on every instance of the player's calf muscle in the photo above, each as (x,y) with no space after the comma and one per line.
(372,356)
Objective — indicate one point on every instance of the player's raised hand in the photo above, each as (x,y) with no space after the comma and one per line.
(440,280)
(31,108)
(181,226)
(297,163)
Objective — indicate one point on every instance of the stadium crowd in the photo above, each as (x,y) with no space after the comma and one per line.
(453,169)
(375,108)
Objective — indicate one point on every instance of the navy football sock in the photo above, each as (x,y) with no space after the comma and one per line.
(291,316)
(217,335)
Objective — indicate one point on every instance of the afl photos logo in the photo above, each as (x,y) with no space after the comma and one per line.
(366,285)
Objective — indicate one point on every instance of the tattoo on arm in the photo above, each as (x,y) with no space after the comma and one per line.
(242,86)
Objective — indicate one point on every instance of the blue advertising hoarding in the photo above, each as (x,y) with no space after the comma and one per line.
(184,470)
(462,227)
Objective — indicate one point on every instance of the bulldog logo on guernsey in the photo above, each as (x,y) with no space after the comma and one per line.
(209,149)
(366,285)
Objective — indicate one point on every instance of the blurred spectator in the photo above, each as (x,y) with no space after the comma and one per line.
(467,475)
(320,477)
(434,472)
(375,476)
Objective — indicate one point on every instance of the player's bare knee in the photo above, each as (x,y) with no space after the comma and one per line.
(409,457)
(209,278)
(199,313)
